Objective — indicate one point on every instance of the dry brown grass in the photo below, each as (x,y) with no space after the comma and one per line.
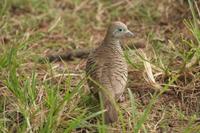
(51,97)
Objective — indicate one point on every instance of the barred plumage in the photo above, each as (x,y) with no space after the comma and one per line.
(107,66)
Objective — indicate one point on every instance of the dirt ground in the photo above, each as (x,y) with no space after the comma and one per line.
(61,26)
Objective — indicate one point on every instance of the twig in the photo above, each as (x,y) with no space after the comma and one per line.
(82,53)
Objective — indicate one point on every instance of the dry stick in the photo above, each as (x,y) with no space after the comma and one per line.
(83,53)
(69,55)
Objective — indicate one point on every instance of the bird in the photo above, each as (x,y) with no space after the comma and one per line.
(107,69)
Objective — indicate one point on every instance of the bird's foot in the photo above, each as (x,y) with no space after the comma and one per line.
(121,99)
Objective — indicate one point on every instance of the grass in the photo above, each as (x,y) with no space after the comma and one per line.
(54,97)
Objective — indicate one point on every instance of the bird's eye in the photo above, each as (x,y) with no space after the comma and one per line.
(120,29)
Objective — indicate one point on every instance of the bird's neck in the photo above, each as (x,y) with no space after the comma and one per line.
(113,44)
(111,41)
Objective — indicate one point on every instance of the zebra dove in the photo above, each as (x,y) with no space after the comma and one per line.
(107,69)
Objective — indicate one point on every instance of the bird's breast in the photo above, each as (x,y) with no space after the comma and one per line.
(118,72)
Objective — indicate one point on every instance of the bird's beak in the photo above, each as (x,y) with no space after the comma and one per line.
(129,33)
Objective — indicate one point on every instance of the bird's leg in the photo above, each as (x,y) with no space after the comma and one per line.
(121,98)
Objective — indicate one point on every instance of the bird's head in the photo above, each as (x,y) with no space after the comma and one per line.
(118,30)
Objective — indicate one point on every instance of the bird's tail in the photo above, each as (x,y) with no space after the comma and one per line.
(111,114)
